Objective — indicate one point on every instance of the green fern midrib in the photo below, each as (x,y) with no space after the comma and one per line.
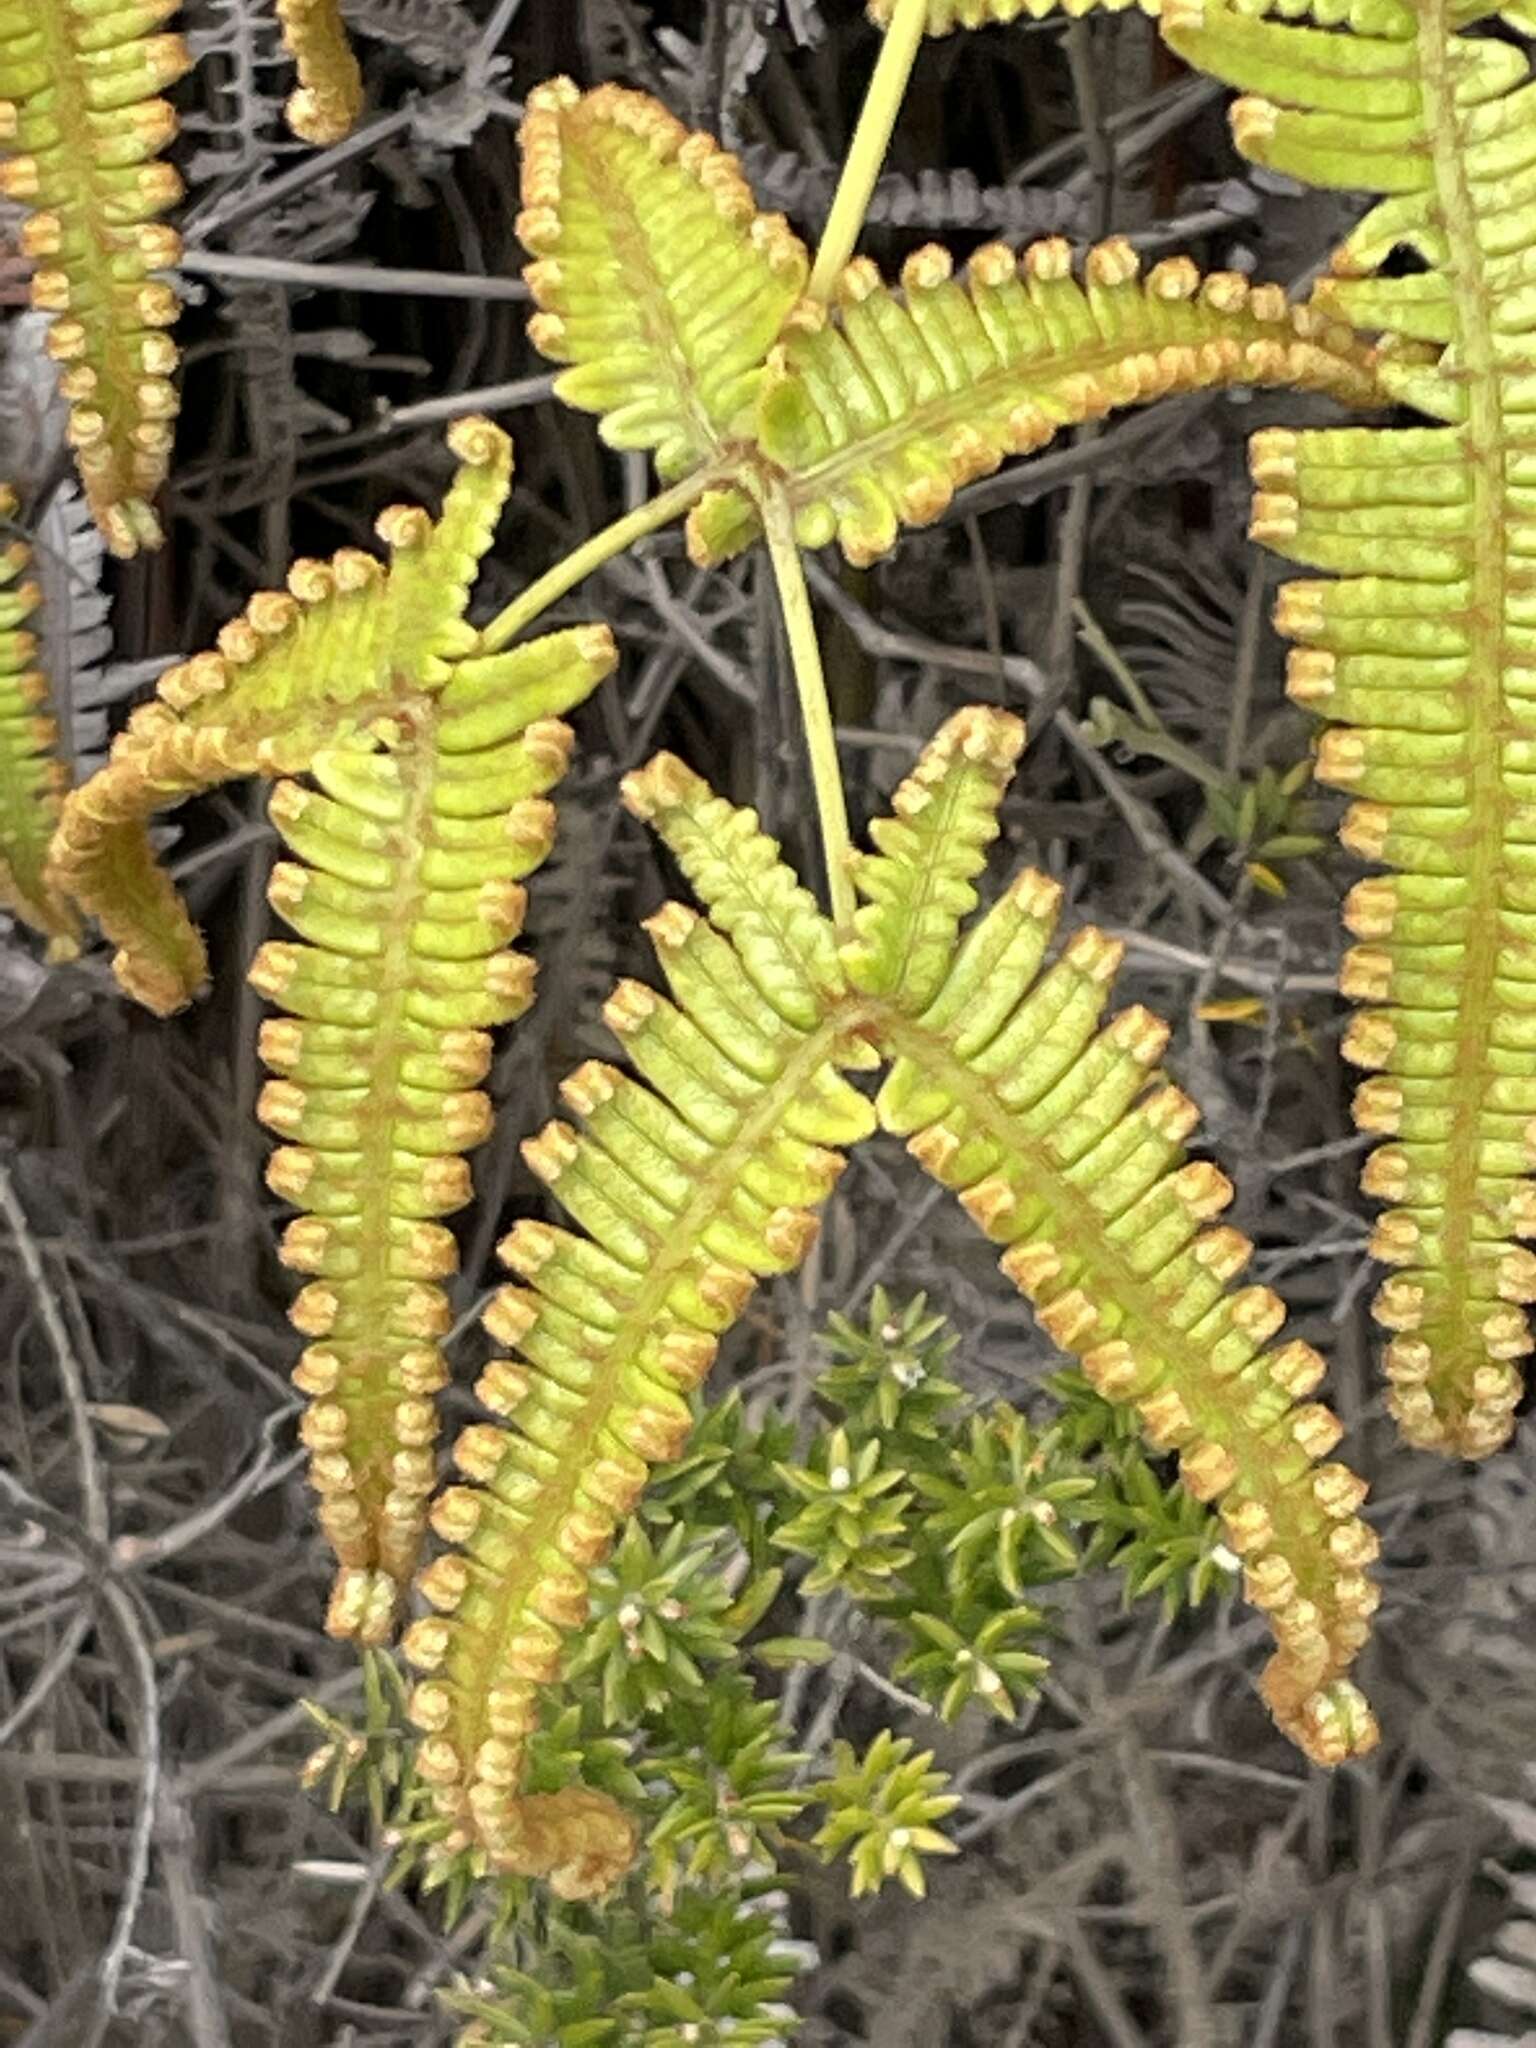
(1487,723)
(388,1046)
(711,1190)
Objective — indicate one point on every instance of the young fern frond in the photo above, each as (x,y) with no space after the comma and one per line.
(1062,1144)
(32,777)
(1067,1149)
(431,763)
(947,15)
(655,275)
(298,672)
(1423,651)
(690,1183)
(79,81)
(877,410)
(329,98)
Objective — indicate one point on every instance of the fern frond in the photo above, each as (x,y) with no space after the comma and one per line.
(310,668)
(431,765)
(1067,1149)
(79,81)
(1422,652)
(946,15)
(407,892)
(329,98)
(32,777)
(655,275)
(690,1183)
(878,410)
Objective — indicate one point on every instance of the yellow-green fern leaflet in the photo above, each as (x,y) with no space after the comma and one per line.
(409,893)
(32,777)
(689,1184)
(329,98)
(657,279)
(1425,651)
(425,809)
(947,15)
(874,413)
(1066,1147)
(79,81)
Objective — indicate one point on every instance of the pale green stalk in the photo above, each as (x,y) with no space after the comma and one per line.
(815,710)
(871,140)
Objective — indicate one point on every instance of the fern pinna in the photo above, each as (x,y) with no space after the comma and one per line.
(1422,651)
(706,1173)
(946,15)
(32,777)
(867,416)
(424,808)
(329,97)
(79,109)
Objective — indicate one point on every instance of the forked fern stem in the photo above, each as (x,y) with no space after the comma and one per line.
(601,547)
(815,709)
(871,140)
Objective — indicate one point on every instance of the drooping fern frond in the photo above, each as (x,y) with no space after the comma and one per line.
(32,777)
(1422,650)
(329,98)
(431,764)
(877,410)
(689,1183)
(655,275)
(1067,1149)
(301,670)
(946,15)
(79,81)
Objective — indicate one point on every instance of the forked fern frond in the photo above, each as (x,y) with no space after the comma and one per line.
(705,1173)
(431,765)
(329,98)
(79,111)
(655,275)
(1424,650)
(1066,1147)
(876,411)
(32,776)
(689,1183)
(946,15)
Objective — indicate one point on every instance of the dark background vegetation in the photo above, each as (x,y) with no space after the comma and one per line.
(1145,1861)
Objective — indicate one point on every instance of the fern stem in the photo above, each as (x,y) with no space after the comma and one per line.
(580,562)
(815,710)
(871,140)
